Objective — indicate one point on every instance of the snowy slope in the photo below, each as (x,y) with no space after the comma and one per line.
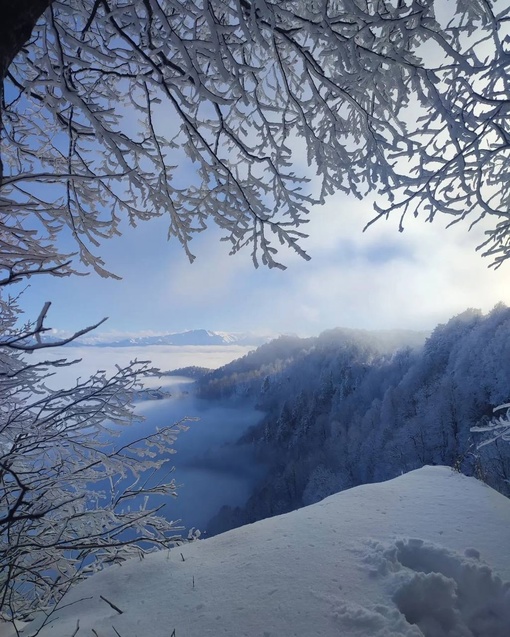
(418,555)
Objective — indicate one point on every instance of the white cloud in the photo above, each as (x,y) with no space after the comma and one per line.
(380,278)
(383,278)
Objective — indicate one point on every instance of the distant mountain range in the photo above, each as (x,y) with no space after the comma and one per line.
(190,337)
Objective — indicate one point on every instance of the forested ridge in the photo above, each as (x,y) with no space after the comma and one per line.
(351,407)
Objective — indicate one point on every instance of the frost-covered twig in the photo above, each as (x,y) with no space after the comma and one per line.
(498,428)
(72,499)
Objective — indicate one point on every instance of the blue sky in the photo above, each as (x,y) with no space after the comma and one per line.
(378,279)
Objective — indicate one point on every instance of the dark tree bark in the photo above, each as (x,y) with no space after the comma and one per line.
(17,20)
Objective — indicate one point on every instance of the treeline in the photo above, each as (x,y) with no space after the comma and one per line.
(192,371)
(351,407)
(251,375)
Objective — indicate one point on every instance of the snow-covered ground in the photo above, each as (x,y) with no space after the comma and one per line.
(424,554)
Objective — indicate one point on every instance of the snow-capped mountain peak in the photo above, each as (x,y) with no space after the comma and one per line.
(199,337)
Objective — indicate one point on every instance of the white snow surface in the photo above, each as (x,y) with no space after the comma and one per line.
(427,553)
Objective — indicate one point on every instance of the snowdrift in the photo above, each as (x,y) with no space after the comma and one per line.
(424,554)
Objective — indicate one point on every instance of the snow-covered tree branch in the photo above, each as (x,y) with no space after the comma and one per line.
(497,428)
(73,496)
(219,112)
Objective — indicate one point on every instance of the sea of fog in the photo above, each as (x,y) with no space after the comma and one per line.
(211,470)
(164,357)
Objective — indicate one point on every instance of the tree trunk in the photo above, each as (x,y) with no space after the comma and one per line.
(17,20)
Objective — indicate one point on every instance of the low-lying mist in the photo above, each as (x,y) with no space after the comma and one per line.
(210,469)
(165,357)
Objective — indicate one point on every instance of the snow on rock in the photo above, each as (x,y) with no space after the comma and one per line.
(425,554)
